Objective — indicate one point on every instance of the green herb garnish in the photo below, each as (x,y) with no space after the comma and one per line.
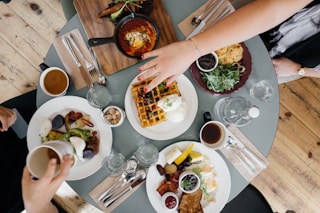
(223,77)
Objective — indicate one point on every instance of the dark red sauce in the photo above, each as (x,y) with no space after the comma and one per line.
(207,61)
(170,202)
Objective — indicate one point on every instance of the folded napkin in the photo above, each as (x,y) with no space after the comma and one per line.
(243,141)
(186,27)
(67,60)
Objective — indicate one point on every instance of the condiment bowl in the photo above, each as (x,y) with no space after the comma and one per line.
(208,62)
(189,181)
(113,115)
(170,201)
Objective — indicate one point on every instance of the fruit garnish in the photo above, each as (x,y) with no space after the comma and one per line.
(195,156)
(184,155)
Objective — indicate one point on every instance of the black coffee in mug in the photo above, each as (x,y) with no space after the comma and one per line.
(211,133)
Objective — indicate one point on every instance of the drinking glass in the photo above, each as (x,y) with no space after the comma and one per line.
(98,96)
(114,164)
(147,155)
(263,91)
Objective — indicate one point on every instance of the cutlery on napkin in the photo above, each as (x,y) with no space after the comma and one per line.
(202,24)
(225,8)
(244,156)
(67,60)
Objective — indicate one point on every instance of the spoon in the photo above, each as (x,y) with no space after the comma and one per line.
(197,19)
(102,80)
(140,176)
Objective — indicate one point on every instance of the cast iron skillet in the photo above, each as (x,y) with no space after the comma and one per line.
(135,18)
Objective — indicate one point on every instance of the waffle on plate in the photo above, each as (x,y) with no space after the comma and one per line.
(148,111)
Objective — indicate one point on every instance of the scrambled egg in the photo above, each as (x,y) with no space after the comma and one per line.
(208,177)
(230,54)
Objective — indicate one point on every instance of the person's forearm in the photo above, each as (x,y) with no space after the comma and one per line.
(47,208)
(246,22)
(311,72)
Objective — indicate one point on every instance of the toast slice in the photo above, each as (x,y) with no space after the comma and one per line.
(190,202)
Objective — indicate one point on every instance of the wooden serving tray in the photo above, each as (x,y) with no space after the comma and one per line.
(110,58)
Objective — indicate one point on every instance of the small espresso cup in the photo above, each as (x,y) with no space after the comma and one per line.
(213,134)
(54,81)
(39,157)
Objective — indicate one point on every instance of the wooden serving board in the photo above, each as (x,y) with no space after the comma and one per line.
(110,58)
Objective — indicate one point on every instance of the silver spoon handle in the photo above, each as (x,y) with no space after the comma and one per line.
(245,161)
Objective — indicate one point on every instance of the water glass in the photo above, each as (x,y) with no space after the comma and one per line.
(263,91)
(147,155)
(98,96)
(114,164)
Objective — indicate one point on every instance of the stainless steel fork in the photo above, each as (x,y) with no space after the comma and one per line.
(89,66)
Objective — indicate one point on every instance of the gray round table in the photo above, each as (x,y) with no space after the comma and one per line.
(261,131)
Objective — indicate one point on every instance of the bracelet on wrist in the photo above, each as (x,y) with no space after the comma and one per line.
(195,47)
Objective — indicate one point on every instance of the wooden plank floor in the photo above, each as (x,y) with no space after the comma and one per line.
(292,180)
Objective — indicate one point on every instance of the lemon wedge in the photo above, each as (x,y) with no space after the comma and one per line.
(184,155)
(195,156)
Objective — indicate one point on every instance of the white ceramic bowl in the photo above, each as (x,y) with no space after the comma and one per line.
(113,116)
(189,181)
(206,59)
(170,201)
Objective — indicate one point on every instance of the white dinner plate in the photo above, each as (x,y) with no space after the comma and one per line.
(63,105)
(223,177)
(167,129)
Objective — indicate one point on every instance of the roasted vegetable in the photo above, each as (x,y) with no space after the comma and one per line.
(53,135)
(120,8)
(57,122)
(82,133)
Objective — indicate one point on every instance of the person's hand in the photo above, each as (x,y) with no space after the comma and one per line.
(37,194)
(285,67)
(169,62)
(7,118)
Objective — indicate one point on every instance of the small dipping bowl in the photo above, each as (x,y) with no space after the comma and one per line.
(189,182)
(113,116)
(170,201)
(208,62)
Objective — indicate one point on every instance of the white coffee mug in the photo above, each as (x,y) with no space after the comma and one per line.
(39,157)
(213,134)
(54,81)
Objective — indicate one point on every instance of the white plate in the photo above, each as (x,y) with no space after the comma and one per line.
(165,130)
(62,105)
(221,168)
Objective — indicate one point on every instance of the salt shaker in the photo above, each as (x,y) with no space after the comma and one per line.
(235,110)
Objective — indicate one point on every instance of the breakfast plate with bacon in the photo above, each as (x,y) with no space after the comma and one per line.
(211,168)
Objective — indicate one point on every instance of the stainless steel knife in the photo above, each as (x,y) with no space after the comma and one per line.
(202,24)
(83,72)
(129,188)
